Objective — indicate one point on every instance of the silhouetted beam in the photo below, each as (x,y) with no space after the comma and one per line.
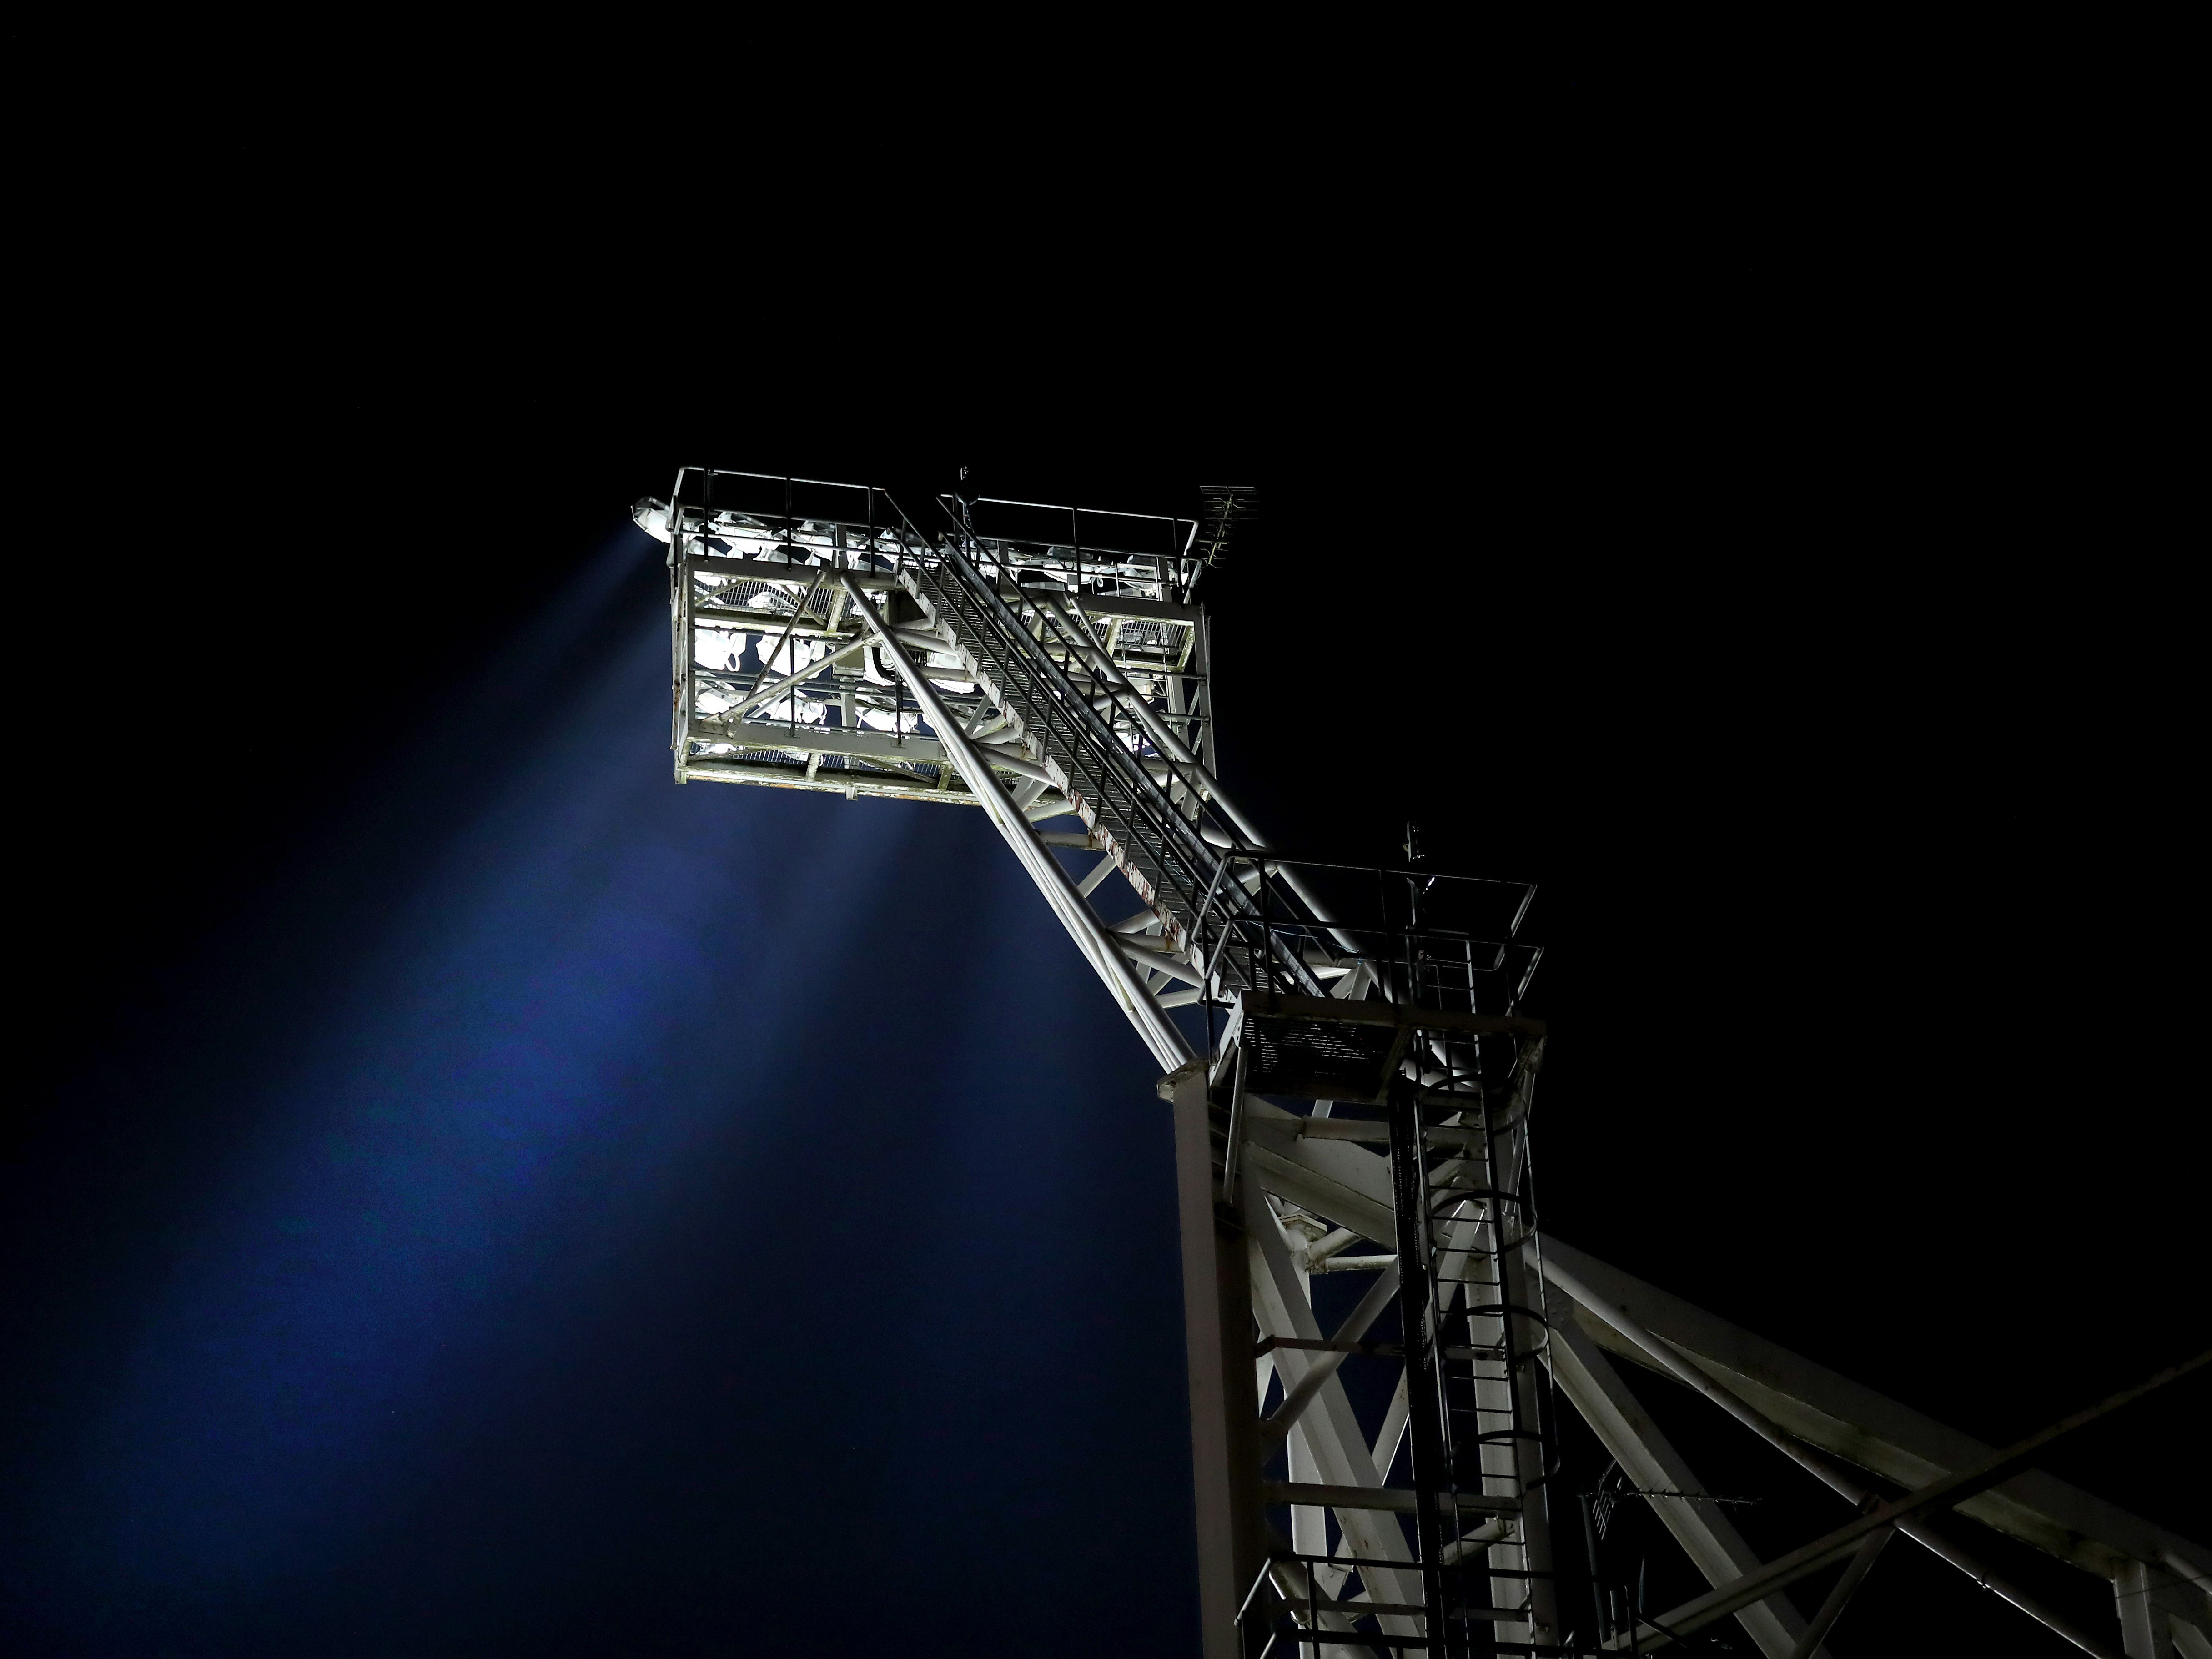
(1937,1495)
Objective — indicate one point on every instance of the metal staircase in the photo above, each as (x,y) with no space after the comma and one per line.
(1049,666)
(1064,717)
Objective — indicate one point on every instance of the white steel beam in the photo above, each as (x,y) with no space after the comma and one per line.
(1007,758)
(763,622)
(1170,745)
(1392,1434)
(819,739)
(1587,1377)
(1217,1305)
(2131,1600)
(1839,1597)
(2182,1595)
(1160,961)
(763,570)
(1294,1589)
(1236,1274)
(1159,1033)
(1908,1514)
(1331,1429)
(1369,1309)
(1846,1419)
(1348,1184)
(891,784)
(1105,867)
(753,700)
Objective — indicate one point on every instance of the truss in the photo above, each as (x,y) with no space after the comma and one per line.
(1351,1085)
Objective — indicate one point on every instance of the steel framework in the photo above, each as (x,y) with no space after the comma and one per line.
(1351,1085)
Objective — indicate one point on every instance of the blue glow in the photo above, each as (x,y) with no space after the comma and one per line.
(675,1172)
(509,1026)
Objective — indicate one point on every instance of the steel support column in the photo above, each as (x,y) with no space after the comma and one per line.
(1066,709)
(2131,1600)
(1217,1317)
(1595,1390)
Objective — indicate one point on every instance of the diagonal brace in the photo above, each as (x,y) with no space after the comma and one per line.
(1998,1466)
(1832,1609)
(1355,1326)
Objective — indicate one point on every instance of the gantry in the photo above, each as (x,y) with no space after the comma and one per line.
(1351,1085)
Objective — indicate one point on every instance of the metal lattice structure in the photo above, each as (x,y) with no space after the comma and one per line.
(1351,1085)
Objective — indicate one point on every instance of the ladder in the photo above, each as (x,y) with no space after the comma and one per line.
(1054,712)
(1043,680)
(1061,715)
(1048,665)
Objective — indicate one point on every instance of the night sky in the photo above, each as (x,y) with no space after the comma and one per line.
(478,1198)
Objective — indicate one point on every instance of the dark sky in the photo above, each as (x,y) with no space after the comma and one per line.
(478,1198)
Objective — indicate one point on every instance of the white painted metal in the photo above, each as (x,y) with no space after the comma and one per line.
(1330,1428)
(1845,1588)
(1037,681)
(1217,1326)
(1822,1468)
(2131,1600)
(1833,1414)
(1356,1323)
(1168,1045)
(1587,1377)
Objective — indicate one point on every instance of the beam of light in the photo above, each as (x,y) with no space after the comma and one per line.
(668,1194)
(568,1013)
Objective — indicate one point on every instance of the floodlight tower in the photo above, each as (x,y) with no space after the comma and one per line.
(1052,666)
